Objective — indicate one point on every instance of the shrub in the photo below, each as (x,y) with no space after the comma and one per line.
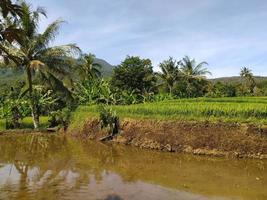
(108,119)
(60,118)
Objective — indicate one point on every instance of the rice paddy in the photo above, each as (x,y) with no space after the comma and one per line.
(238,109)
(26,123)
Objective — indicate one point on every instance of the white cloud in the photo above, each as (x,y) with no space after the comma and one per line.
(226,34)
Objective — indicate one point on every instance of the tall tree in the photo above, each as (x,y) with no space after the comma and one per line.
(36,56)
(134,73)
(169,72)
(191,71)
(247,74)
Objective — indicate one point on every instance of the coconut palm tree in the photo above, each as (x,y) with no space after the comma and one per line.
(88,68)
(169,72)
(7,7)
(247,74)
(12,12)
(37,57)
(191,71)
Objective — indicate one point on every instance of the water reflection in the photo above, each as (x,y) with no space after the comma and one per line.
(56,167)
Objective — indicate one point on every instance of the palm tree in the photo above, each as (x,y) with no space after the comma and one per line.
(246,72)
(191,71)
(248,76)
(36,56)
(12,12)
(170,72)
(88,68)
(7,7)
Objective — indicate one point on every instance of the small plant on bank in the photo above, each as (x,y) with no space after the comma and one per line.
(60,118)
(13,111)
(12,114)
(108,119)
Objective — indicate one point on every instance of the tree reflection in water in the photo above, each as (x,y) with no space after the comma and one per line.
(57,167)
(113,197)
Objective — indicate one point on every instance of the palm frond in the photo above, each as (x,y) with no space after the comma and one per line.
(43,40)
(41,11)
(8,51)
(57,85)
(191,70)
(62,50)
(7,7)
(30,19)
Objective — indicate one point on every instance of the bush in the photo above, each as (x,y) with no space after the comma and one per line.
(221,90)
(109,120)
(60,118)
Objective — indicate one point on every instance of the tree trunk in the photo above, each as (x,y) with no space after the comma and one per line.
(35,114)
(35,117)
(170,90)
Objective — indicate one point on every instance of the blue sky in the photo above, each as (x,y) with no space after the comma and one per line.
(228,34)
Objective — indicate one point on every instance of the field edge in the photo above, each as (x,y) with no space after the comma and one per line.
(195,137)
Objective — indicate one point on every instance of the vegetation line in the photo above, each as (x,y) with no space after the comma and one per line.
(54,81)
(199,110)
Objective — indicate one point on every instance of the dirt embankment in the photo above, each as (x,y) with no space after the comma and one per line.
(201,138)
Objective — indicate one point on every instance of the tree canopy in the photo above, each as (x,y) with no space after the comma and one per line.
(134,73)
(37,57)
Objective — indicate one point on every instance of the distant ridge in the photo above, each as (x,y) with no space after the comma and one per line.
(9,76)
(106,67)
(237,79)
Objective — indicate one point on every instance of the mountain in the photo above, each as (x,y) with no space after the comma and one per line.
(10,76)
(237,79)
(106,69)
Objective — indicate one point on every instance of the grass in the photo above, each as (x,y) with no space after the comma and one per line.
(27,123)
(239,109)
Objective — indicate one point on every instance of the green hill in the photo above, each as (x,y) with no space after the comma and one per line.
(106,67)
(237,79)
(10,76)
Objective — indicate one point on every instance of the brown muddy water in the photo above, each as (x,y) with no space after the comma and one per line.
(42,167)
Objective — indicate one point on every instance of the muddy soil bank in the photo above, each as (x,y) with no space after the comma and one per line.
(201,138)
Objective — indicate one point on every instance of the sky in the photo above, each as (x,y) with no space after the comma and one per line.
(228,34)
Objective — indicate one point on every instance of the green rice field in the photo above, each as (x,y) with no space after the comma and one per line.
(27,123)
(238,109)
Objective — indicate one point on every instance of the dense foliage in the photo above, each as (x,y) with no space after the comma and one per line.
(39,79)
(135,74)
